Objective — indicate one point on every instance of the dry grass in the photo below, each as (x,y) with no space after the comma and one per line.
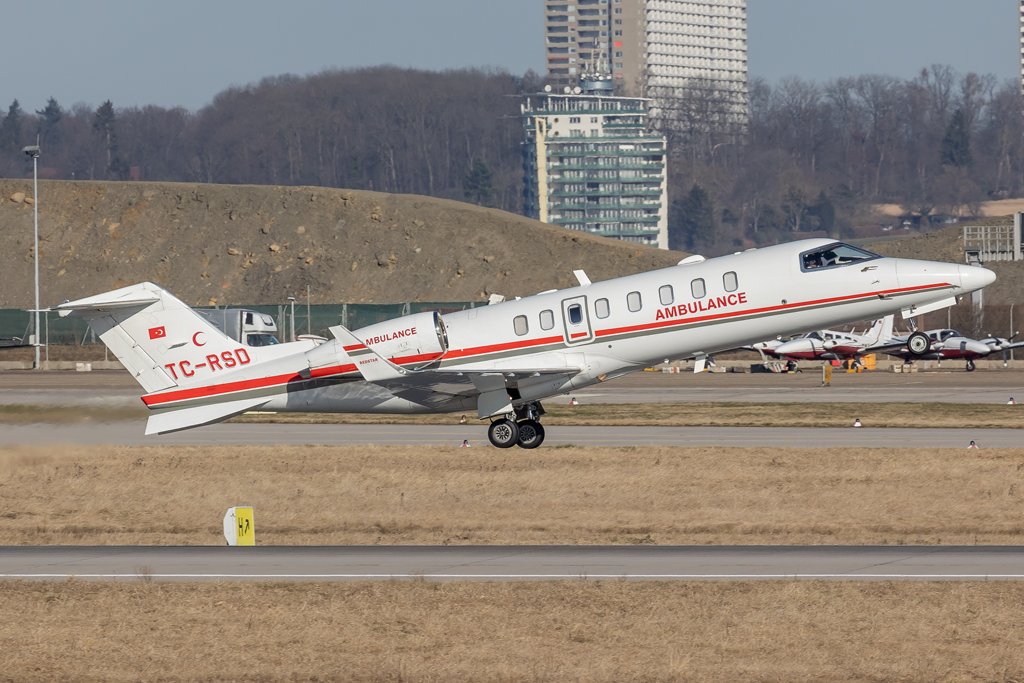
(712,414)
(608,631)
(368,494)
(34,414)
(716,414)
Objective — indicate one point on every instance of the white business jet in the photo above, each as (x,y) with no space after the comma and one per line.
(502,360)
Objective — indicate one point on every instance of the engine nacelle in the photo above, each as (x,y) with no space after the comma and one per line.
(412,340)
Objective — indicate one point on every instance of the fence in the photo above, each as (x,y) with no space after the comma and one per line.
(994,319)
(17,324)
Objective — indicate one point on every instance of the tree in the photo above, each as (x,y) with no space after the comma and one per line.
(104,127)
(49,122)
(476,184)
(795,207)
(10,129)
(956,145)
(692,221)
(824,212)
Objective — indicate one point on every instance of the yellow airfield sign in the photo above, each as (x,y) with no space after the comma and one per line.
(240,526)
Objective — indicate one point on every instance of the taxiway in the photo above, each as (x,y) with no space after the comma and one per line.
(511,563)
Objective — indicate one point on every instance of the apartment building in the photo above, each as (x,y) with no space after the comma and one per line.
(591,164)
(670,51)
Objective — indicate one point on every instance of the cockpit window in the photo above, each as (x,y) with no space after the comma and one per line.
(833,255)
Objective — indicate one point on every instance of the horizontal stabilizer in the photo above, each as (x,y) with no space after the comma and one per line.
(175,420)
(127,297)
(370,364)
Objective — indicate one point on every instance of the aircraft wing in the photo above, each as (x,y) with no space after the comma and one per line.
(436,387)
(892,346)
(1007,347)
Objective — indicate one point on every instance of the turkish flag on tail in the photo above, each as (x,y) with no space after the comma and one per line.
(157,332)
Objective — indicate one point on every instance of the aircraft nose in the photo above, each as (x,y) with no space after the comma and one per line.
(975,277)
(980,348)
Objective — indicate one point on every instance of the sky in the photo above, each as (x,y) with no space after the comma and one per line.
(182,53)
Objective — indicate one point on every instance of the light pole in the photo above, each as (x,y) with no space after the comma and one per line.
(33,151)
(291,300)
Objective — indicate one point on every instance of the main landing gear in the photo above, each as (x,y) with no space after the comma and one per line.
(520,428)
(918,343)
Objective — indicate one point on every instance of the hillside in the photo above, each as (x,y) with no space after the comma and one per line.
(230,244)
(224,244)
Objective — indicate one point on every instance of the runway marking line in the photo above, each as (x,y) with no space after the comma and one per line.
(576,575)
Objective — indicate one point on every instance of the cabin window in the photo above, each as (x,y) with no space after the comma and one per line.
(698,288)
(520,325)
(730,282)
(248,318)
(666,295)
(601,308)
(633,302)
(834,255)
(575,314)
(547,319)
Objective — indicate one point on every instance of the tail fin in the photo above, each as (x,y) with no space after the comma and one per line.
(158,338)
(881,330)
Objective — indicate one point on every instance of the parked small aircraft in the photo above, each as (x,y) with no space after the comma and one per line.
(939,345)
(835,344)
(949,344)
(503,360)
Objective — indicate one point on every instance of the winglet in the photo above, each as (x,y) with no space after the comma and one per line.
(370,364)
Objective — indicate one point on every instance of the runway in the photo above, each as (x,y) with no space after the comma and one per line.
(116,389)
(131,434)
(511,563)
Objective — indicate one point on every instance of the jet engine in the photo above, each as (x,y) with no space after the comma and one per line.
(412,340)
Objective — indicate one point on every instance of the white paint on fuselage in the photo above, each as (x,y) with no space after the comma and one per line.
(770,278)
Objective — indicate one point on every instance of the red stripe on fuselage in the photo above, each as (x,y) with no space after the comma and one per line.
(153,400)
(505,346)
(669,322)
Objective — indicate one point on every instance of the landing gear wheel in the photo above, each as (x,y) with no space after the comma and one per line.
(970,366)
(503,433)
(918,343)
(531,434)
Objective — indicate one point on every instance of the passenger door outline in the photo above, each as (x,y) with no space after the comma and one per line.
(576,332)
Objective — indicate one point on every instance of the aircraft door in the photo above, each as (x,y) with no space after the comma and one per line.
(576,321)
